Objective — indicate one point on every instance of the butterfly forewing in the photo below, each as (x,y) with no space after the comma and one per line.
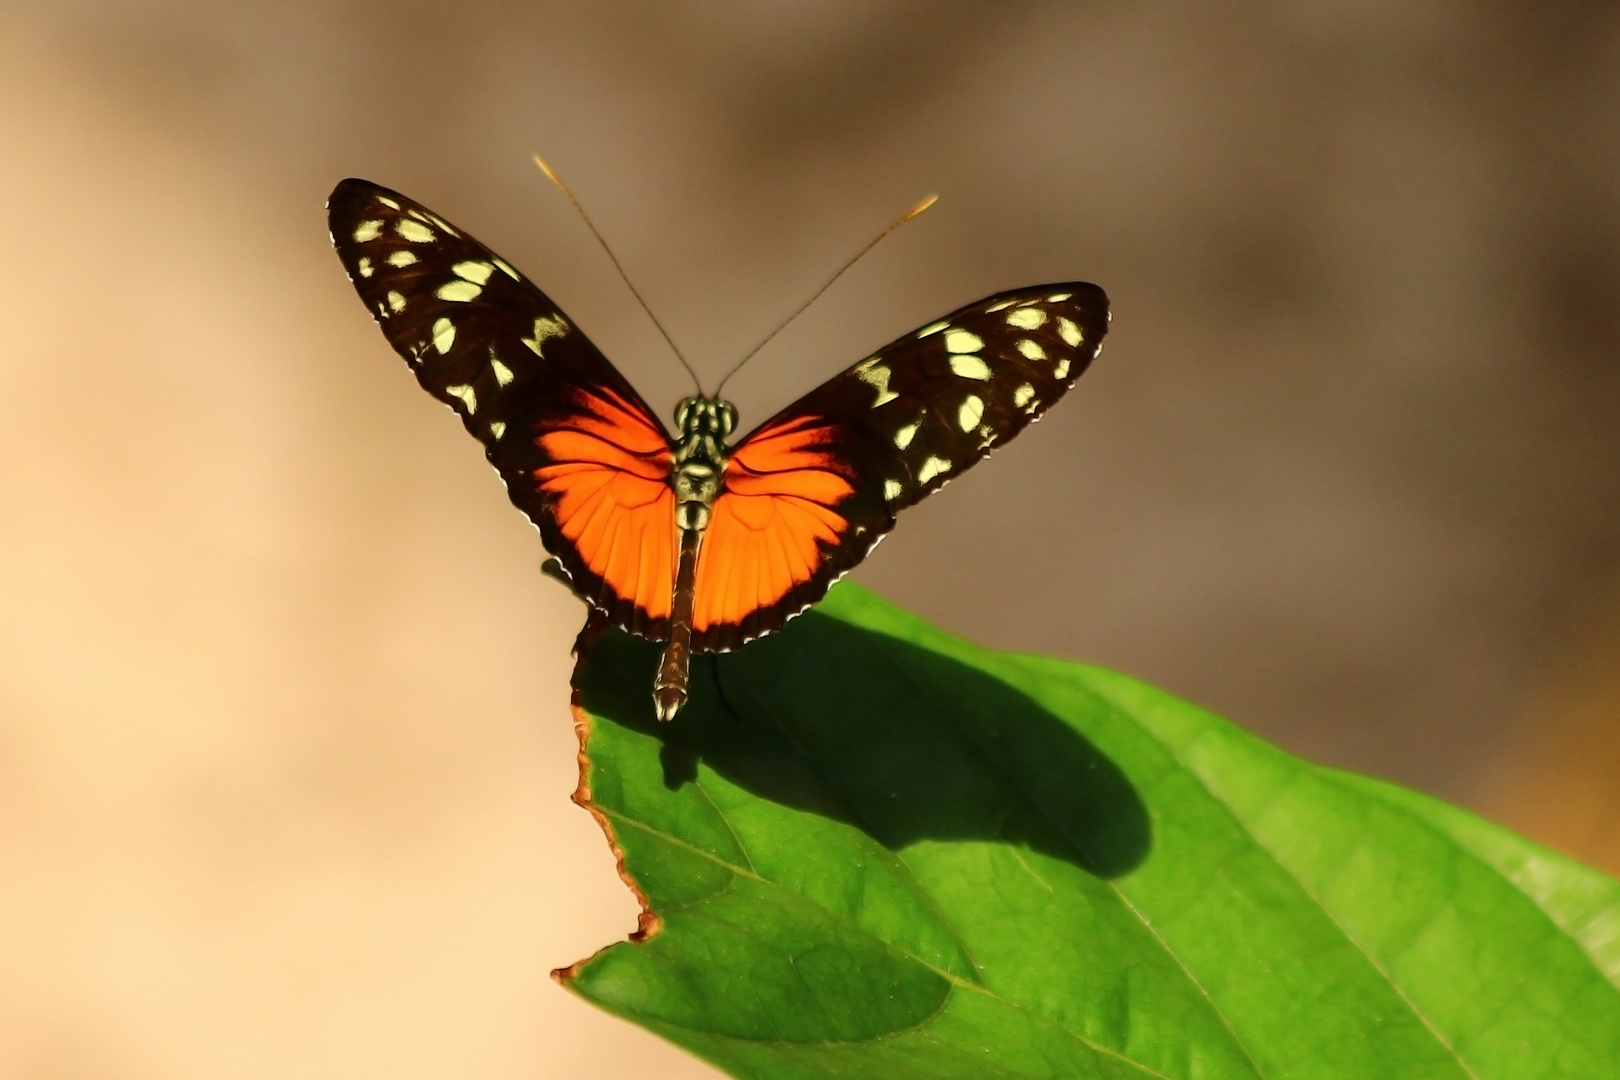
(836,466)
(578,449)
(940,398)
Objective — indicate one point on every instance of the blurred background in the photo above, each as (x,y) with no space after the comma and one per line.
(285,753)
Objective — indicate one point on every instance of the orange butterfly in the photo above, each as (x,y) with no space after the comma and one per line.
(692,540)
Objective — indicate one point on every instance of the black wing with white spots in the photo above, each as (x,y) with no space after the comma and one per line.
(521,376)
(923,408)
(934,402)
(902,423)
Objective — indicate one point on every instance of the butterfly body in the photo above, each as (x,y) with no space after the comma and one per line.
(700,465)
(693,540)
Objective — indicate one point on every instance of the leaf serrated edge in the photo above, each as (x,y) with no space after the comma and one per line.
(648,924)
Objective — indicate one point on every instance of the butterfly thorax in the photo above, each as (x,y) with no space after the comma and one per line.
(700,457)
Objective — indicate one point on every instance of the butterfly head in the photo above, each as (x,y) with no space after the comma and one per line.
(700,457)
(704,424)
(713,417)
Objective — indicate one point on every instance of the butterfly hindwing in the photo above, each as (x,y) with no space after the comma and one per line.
(578,449)
(812,490)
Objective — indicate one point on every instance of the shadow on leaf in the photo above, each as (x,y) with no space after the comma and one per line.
(884,735)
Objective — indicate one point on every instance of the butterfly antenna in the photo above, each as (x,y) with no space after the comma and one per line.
(895,224)
(614,259)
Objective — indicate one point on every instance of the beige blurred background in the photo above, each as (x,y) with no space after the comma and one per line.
(284,748)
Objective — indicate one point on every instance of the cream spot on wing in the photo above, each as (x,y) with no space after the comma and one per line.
(903,437)
(970,367)
(414,231)
(932,468)
(987,435)
(466,394)
(497,428)
(473,270)
(876,376)
(1026,318)
(402,258)
(971,412)
(444,335)
(960,341)
(546,326)
(933,328)
(364,266)
(998,307)
(1069,332)
(1031,349)
(458,291)
(367,230)
(1059,298)
(396,302)
(1023,395)
(386,201)
(443,224)
(503,374)
(892,490)
(1062,370)
(506,269)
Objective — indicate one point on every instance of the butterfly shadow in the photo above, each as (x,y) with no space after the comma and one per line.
(901,742)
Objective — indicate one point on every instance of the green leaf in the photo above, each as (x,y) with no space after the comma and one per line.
(873,850)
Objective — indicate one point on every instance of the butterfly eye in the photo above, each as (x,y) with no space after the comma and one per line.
(682,411)
(728,418)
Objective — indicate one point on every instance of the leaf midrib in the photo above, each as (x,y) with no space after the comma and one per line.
(1276,860)
(1113,886)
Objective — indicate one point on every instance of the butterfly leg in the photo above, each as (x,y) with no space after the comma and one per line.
(674,670)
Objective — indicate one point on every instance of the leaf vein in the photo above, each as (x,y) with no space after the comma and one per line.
(1276,860)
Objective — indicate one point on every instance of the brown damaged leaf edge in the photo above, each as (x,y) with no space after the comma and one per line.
(647,923)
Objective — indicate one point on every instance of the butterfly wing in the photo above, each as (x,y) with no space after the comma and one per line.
(579,451)
(813,489)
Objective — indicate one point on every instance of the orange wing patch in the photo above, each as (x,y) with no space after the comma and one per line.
(770,524)
(609,483)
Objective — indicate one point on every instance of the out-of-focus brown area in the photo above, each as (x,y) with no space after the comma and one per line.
(1557,775)
(284,746)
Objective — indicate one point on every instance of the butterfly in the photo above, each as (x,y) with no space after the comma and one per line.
(691,539)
